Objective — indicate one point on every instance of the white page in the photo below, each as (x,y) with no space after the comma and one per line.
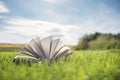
(28,46)
(36,48)
(38,41)
(62,52)
(53,47)
(45,42)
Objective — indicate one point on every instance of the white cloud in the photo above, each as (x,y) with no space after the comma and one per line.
(3,8)
(21,30)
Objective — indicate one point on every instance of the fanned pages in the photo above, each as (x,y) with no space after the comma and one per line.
(44,49)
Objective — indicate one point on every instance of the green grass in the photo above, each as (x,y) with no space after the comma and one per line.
(81,65)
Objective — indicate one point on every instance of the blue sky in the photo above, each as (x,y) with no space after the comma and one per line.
(21,20)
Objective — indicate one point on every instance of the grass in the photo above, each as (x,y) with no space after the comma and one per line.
(81,65)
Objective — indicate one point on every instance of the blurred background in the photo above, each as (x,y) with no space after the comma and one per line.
(81,24)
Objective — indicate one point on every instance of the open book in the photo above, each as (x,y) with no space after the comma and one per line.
(44,49)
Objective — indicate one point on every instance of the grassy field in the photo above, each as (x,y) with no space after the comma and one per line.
(10,47)
(81,65)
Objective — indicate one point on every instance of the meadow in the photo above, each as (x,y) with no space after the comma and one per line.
(8,47)
(81,65)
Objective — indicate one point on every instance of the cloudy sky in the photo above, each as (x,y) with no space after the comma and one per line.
(21,20)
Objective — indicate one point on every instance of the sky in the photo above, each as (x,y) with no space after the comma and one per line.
(69,20)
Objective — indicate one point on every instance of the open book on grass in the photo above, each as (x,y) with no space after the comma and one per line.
(44,49)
